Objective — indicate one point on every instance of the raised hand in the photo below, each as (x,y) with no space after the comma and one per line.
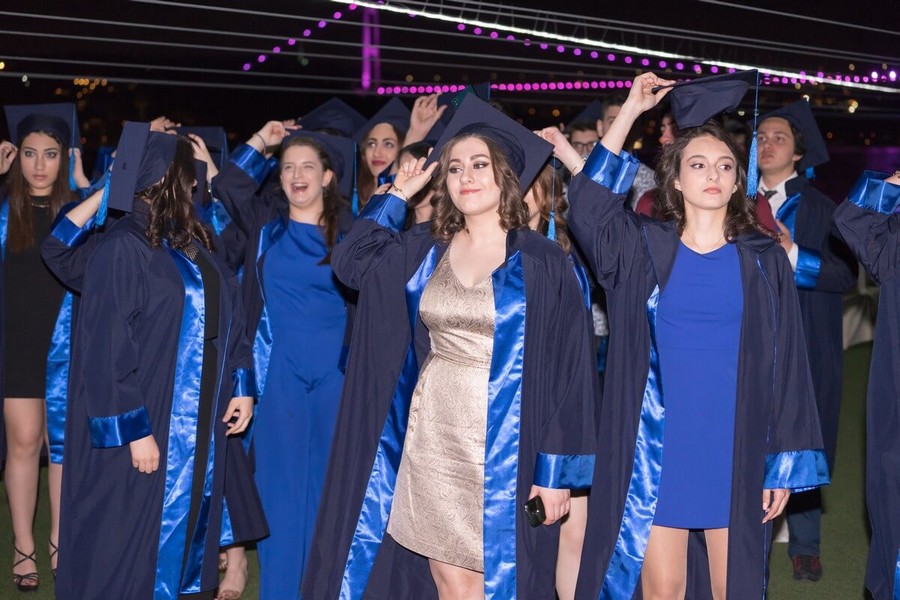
(8,152)
(411,178)
(201,152)
(271,134)
(425,113)
(562,149)
(163,124)
(81,179)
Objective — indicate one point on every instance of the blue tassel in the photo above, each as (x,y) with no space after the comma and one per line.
(354,204)
(354,196)
(100,219)
(72,185)
(551,227)
(752,170)
(810,173)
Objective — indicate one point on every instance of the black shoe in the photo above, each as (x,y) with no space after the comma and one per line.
(807,567)
(29,582)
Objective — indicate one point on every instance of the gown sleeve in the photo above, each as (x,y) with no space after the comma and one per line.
(868,223)
(67,249)
(566,452)
(237,186)
(795,458)
(374,235)
(829,266)
(608,234)
(112,298)
(240,353)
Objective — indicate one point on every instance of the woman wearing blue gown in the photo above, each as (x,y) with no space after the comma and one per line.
(297,315)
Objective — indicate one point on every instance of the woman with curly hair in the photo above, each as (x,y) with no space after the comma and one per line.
(161,377)
(470,384)
(709,419)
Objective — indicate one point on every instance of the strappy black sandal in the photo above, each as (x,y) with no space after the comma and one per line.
(53,552)
(29,582)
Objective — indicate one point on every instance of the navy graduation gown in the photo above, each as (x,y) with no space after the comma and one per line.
(868,221)
(826,270)
(136,364)
(777,439)
(540,411)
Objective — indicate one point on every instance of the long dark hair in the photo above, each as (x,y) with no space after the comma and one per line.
(365,178)
(740,216)
(547,189)
(332,201)
(172,213)
(447,220)
(21,226)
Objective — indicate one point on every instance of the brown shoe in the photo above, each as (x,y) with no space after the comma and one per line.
(807,567)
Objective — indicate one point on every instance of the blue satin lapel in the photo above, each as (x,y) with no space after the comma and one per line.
(897,578)
(386,176)
(226,538)
(4,226)
(501,452)
(58,378)
(583,281)
(787,213)
(640,505)
(179,448)
(376,506)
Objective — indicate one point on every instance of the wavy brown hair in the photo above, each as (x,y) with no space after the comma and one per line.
(21,225)
(172,214)
(546,188)
(741,212)
(447,220)
(332,201)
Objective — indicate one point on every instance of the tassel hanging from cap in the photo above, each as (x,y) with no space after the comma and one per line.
(354,199)
(100,218)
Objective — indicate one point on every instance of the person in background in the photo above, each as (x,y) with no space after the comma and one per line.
(644,178)
(790,144)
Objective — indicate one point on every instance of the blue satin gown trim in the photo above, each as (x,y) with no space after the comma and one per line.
(262,341)
(640,504)
(387,210)
(226,538)
(611,171)
(193,567)
(376,505)
(897,578)
(181,443)
(564,471)
(58,378)
(71,234)
(584,281)
(249,160)
(798,470)
(4,226)
(501,447)
(873,193)
(117,430)
(243,383)
(809,262)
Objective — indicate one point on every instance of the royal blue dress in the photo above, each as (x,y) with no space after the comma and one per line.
(297,412)
(698,334)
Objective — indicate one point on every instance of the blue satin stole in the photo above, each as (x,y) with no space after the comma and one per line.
(624,567)
(809,262)
(181,447)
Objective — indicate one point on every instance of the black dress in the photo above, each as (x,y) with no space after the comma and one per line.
(33,297)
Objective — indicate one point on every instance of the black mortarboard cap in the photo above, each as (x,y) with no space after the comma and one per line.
(142,158)
(200,174)
(696,101)
(59,119)
(452,101)
(799,114)
(215,138)
(591,114)
(525,151)
(335,115)
(394,113)
(340,151)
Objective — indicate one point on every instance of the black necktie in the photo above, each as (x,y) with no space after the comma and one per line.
(769,193)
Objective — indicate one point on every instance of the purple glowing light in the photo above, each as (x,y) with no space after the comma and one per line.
(519,87)
(544,46)
(714,69)
(544,86)
(577,51)
(380,90)
(552,85)
(874,74)
(307,32)
(477,31)
(461,27)
(662,64)
(560,48)
(698,69)
(628,84)
(594,54)
(627,60)
(679,66)
(511,38)
(527,42)
(276,49)
(892,75)
(611,57)
(352,7)
(261,58)
(494,35)
(594,85)
(645,62)
(292,42)
(732,70)
(322,24)
(246,66)
(338,15)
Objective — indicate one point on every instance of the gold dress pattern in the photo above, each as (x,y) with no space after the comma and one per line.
(439,496)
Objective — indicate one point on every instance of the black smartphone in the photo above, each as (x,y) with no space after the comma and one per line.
(534,510)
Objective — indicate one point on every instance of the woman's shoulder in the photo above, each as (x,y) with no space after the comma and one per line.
(125,233)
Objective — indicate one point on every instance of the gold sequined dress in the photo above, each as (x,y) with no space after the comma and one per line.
(439,496)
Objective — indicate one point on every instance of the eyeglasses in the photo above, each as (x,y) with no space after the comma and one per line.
(583,146)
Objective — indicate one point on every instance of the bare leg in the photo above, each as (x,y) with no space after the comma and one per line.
(54,481)
(456,583)
(235,580)
(717,544)
(24,419)
(664,574)
(571,540)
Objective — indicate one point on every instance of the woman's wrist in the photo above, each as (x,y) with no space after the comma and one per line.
(257,141)
(396,191)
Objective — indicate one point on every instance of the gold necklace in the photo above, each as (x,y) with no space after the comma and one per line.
(719,241)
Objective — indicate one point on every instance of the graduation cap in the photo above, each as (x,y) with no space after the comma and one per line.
(591,114)
(58,119)
(394,113)
(800,116)
(199,193)
(341,152)
(215,138)
(142,158)
(335,115)
(525,151)
(696,101)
